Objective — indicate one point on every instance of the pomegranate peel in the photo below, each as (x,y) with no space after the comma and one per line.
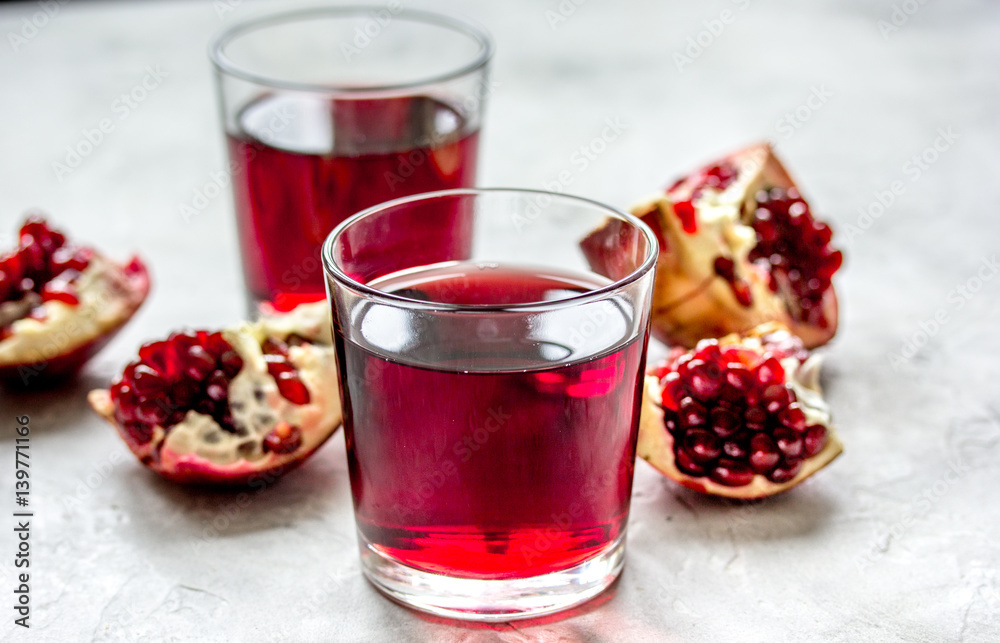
(60,304)
(738,247)
(706,437)
(209,408)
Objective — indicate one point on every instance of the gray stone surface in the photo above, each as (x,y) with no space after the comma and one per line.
(896,541)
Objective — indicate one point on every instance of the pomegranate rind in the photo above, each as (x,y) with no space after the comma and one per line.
(176,453)
(691,301)
(41,353)
(655,445)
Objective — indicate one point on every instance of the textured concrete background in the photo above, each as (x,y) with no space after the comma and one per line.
(896,541)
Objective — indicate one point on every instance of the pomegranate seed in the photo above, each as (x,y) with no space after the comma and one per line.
(274,346)
(785,472)
(689,466)
(277,364)
(68,258)
(732,473)
(181,341)
(231,363)
(673,391)
(769,372)
(793,417)
(704,379)
(764,453)
(740,379)
(725,268)
(60,291)
(723,422)
(789,442)
(217,387)
(686,213)
(198,363)
(776,397)
(292,388)
(814,440)
(692,413)
(184,393)
(216,344)
(145,380)
(735,449)
(151,412)
(755,418)
(702,446)
(140,432)
(32,256)
(283,439)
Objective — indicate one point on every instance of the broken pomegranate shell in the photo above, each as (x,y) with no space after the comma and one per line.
(739,246)
(233,407)
(740,417)
(60,303)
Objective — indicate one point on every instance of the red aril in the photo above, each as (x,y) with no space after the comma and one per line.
(761,429)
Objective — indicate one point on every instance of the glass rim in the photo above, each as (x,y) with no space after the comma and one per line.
(331,269)
(224,64)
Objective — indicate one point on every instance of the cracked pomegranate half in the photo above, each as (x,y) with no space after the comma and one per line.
(741,417)
(229,408)
(739,246)
(60,303)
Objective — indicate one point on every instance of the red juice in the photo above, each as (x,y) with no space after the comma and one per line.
(479,456)
(301,165)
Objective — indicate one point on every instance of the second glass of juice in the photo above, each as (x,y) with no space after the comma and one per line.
(491,396)
(329,111)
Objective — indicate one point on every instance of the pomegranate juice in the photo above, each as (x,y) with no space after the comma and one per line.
(476,455)
(302,165)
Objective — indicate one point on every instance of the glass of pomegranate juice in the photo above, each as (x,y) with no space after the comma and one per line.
(491,393)
(329,111)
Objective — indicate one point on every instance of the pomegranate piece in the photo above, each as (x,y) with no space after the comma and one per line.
(739,247)
(741,417)
(230,407)
(59,304)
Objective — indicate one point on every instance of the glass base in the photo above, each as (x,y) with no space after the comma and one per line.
(492,600)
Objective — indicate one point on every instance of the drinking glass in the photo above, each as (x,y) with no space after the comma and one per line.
(329,111)
(491,390)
